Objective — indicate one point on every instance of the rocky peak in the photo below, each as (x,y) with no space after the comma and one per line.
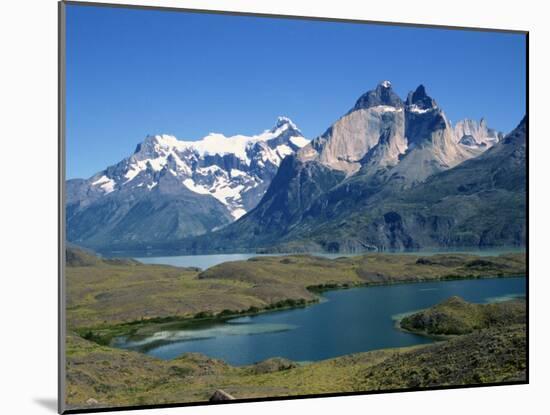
(518,135)
(286,134)
(283,121)
(419,101)
(476,134)
(153,145)
(382,95)
(146,145)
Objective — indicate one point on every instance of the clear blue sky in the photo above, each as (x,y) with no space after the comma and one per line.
(136,72)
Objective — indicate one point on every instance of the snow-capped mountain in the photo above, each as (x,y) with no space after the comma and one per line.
(217,178)
(345,190)
(235,170)
(170,190)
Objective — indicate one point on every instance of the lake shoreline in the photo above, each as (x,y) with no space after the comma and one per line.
(194,261)
(109,298)
(394,368)
(149,325)
(184,297)
(428,250)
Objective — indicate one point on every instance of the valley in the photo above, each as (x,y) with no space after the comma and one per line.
(188,299)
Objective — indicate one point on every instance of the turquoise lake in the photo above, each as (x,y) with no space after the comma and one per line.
(344,322)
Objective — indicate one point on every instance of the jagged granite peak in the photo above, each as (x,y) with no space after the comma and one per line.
(407,142)
(282,121)
(423,118)
(414,139)
(476,135)
(381,132)
(479,202)
(382,95)
(419,101)
(377,113)
(431,146)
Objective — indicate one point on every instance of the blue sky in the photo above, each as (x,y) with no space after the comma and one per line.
(135,72)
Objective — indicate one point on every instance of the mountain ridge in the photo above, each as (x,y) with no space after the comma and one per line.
(182,188)
(349,189)
(369,208)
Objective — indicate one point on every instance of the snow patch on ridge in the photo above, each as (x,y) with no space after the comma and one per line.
(190,184)
(417,110)
(385,108)
(105,183)
(219,144)
(237,213)
(299,141)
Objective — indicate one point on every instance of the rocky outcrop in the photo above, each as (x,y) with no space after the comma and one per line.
(274,364)
(430,144)
(372,133)
(413,139)
(221,395)
(476,134)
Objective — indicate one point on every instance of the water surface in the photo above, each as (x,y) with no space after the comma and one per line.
(349,321)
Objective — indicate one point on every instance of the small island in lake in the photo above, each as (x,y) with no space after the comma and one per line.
(455,316)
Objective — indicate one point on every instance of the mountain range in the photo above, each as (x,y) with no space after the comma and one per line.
(388,174)
(169,189)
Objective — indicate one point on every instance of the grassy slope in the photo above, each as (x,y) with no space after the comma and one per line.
(104,293)
(455,316)
(116,378)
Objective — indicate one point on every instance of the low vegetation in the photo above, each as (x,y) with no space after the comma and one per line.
(455,316)
(113,377)
(109,292)
(113,297)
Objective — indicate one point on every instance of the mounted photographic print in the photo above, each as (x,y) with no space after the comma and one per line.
(262,207)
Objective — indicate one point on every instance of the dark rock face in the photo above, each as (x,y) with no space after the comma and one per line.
(162,214)
(420,98)
(295,187)
(383,94)
(468,140)
(221,395)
